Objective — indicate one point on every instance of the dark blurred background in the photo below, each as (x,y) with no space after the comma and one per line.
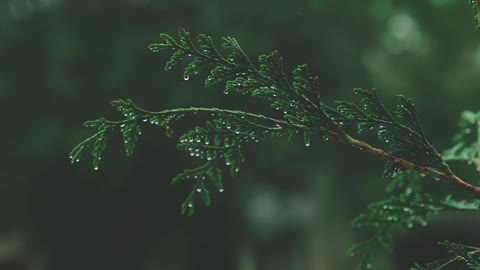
(291,207)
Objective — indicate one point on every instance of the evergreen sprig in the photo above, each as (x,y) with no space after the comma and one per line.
(462,255)
(219,142)
(406,208)
(467,141)
(475,4)
(297,95)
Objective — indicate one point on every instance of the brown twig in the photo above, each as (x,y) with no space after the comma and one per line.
(448,176)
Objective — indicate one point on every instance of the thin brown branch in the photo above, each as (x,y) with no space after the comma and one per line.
(448,177)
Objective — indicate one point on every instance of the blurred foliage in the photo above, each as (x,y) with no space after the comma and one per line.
(62,61)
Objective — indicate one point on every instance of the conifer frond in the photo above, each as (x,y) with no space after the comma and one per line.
(462,255)
(97,142)
(475,4)
(219,144)
(403,133)
(467,141)
(406,208)
(301,101)
(220,141)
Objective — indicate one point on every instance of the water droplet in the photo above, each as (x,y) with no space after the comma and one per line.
(95,168)
(190,205)
(186,77)
(199,190)
(220,190)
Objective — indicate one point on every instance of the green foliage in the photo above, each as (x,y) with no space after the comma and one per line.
(406,208)
(218,144)
(475,4)
(403,133)
(462,255)
(223,137)
(467,141)
(97,142)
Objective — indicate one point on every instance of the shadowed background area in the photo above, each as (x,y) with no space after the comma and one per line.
(291,207)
